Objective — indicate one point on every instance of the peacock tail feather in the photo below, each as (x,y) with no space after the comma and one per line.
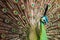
(20,19)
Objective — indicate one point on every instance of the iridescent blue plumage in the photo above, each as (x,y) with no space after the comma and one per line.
(43,21)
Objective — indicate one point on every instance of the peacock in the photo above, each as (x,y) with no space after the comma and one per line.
(43,21)
(29,19)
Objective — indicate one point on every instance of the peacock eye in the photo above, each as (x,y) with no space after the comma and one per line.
(35,0)
(49,6)
(19,23)
(4,10)
(33,5)
(30,15)
(38,4)
(13,30)
(7,20)
(51,16)
(15,12)
(24,17)
(58,24)
(3,35)
(41,8)
(16,1)
(59,16)
(23,6)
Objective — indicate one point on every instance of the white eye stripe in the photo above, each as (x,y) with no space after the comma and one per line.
(43,18)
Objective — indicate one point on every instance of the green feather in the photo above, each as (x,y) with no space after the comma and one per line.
(43,35)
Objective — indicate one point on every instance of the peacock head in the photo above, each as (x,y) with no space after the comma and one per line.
(44,19)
